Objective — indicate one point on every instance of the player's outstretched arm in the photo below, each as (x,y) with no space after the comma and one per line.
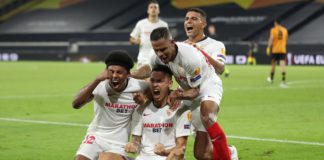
(176,152)
(179,150)
(133,147)
(85,94)
(142,72)
(180,94)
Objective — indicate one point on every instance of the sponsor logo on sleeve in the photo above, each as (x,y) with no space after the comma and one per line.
(186,126)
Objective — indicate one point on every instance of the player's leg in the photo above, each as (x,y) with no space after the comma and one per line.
(111,156)
(282,63)
(89,149)
(202,147)
(273,68)
(215,132)
(226,72)
(113,151)
(81,157)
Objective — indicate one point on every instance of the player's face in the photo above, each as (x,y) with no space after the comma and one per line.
(160,85)
(118,77)
(153,9)
(164,49)
(194,24)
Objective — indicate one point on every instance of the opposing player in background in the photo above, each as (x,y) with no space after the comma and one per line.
(194,25)
(192,72)
(253,50)
(113,106)
(141,33)
(277,46)
(160,133)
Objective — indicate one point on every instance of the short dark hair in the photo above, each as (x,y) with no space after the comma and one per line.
(198,10)
(152,1)
(158,33)
(120,58)
(164,69)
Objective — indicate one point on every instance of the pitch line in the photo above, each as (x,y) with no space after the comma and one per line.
(229,136)
(276,140)
(43,122)
(35,96)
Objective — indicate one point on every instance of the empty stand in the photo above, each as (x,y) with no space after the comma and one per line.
(312,33)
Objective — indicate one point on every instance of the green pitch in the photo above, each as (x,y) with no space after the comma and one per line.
(264,122)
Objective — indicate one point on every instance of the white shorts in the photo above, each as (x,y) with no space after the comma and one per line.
(209,91)
(92,145)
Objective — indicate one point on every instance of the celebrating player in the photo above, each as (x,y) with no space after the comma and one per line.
(194,24)
(113,105)
(160,133)
(192,72)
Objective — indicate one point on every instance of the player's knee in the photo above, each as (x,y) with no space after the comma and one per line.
(81,157)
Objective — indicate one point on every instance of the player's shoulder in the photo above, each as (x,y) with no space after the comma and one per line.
(163,22)
(102,84)
(137,84)
(214,41)
(142,21)
(183,45)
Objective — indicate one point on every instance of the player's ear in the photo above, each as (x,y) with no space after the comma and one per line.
(204,23)
(170,83)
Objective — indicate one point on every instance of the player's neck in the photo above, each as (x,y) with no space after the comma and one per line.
(160,104)
(153,19)
(197,38)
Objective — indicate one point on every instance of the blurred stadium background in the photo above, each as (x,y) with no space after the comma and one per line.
(67,30)
(263,121)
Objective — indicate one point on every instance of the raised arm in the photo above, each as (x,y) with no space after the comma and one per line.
(179,150)
(85,94)
(134,146)
(142,72)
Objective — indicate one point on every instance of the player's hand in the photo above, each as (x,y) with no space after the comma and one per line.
(131,147)
(159,149)
(140,98)
(268,51)
(176,154)
(103,75)
(194,44)
(174,99)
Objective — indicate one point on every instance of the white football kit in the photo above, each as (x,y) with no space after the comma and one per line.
(159,125)
(110,128)
(143,31)
(213,48)
(216,50)
(192,69)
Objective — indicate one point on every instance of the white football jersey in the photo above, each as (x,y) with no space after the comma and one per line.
(143,31)
(213,48)
(159,125)
(113,111)
(190,67)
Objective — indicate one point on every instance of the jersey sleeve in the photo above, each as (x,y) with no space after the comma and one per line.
(221,53)
(96,91)
(193,66)
(136,31)
(183,124)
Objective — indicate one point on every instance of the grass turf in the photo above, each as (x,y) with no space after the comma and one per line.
(250,108)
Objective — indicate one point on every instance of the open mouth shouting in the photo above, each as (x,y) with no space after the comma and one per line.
(189,29)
